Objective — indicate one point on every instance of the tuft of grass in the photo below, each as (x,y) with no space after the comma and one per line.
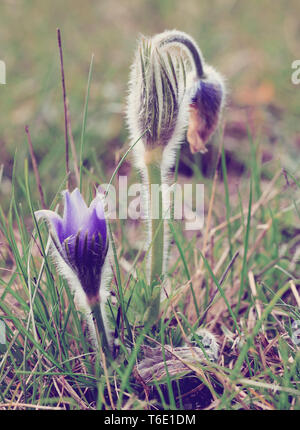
(239,278)
(49,362)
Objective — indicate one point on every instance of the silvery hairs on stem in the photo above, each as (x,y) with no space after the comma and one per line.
(171,88)
(81,251)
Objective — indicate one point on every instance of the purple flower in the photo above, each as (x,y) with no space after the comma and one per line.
(80,238)
(205,109)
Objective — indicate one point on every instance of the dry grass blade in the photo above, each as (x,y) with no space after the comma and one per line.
(64,101)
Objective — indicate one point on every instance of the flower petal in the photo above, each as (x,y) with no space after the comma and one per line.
(54,221)
(75,212)
(95,223)
(101,221)
(78,202)
(205,109)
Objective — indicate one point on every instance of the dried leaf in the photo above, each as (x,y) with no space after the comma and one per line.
(177,361)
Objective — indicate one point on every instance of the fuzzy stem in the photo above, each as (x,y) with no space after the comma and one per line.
(156,226)
(100,328)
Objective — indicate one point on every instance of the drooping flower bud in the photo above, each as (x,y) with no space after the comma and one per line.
(171,87)
(205,109)
(205,87)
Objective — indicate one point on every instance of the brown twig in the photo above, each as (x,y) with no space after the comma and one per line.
(65,104)
(35,167)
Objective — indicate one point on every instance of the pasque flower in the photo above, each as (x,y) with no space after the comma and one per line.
(80,248)
(80,238)
(171,88)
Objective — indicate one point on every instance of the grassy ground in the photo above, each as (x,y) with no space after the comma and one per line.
(251,180)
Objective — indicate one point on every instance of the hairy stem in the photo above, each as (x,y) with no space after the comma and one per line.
(100,328)
(156,226)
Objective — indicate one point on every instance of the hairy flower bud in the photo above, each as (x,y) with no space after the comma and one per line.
(171,87)
(156,92)
(205,109)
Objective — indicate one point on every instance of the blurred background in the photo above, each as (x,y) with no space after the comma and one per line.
(253,44)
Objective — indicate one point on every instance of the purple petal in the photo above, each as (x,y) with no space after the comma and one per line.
(54,220)
(78,202)
(75,212)
(95,222)
(101,222)
(208,101)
